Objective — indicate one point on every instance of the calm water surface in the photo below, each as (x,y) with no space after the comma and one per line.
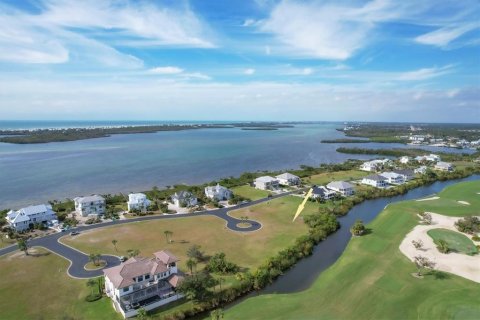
(35,173)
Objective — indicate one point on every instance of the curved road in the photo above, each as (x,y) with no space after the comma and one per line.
(78,259)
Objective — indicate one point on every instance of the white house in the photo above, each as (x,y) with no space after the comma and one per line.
(375,165)
(444,166)
(405,159)
(25,218)
(90,206)
(322,193)
(431,157)
(138,201)
(218,192)
(393,178)
(146,282)
(288,179)
(375,180)
(407,174)
(184,199)
(266,183)
(421,170)
(342,187)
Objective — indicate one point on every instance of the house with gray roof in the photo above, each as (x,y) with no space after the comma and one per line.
(218,193)
(407,174)
(375,180)
(93,205)
(321,192)
(184,199)
(393,178)
(344,188)
(288,179)
(25,218)
(266,183)
(444,166)
(143,282)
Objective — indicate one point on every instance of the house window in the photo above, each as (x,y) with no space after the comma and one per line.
(140,278)
(172,264)
(147,277)
(125,289)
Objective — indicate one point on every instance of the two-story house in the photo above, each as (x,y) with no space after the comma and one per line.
(143,283)
(218,193)
(138,201)
(94,205)
(375,180)
(288,179)
(344,188)
(393,178)
(184,199)
(25,218)
(266,183)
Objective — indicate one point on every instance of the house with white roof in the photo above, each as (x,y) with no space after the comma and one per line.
(405,159)
(407,174)
(444,166)
(393,178)
(184,199)
(375,180)
(218,193)
(321,192)
(421,170)
(375,165)
(431,157)
(25,218)
(94,205)
(288,179)
(138,201)
(266,183)
(143,282)
(342,187)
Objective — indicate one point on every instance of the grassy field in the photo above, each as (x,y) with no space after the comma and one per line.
(210,232)
(250,192)
(372,280)
(448,203)
(457,242)
(324,178)
(38,287)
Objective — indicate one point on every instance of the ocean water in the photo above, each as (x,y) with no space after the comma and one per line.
(36,173)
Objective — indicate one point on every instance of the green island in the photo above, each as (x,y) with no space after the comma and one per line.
(366,281)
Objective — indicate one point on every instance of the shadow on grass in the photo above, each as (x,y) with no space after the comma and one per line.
(440,275)
(36,255)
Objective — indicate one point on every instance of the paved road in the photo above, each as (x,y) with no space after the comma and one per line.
(78,259)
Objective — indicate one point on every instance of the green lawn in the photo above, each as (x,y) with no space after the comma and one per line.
(250,192)
(456,241)
(448,203)
(325,178)
(372,280)
(38,287)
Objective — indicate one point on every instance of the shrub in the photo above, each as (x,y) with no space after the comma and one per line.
(469,225)
(476,238)
(93,297)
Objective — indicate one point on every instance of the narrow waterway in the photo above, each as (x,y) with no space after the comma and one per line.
(326,253)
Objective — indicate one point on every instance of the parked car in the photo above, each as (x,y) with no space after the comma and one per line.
(74,233)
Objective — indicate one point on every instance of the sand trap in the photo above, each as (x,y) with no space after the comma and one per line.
(428,199)
(460,264)
(464,202)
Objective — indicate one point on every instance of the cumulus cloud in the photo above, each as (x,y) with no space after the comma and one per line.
(166,70)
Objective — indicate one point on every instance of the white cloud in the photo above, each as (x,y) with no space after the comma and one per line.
(249,22)
(424,73)
(166,70)
(443,36)
(249,71)
(197,75)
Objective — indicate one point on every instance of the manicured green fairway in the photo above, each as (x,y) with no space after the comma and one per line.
(448,203)
(250,192)
(457,242)
(324,178)
(38,287)
(372,280)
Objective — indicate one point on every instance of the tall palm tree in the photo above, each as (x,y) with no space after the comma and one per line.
(92,258)
(191,264)
(168,235)
(114,242)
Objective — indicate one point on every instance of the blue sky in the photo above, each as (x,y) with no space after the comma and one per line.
(379,60)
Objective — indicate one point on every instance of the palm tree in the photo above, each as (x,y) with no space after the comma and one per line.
(168,235)
(191,264)
(22,245)
(92,257)
(114,242)
(133,252)
(91,283)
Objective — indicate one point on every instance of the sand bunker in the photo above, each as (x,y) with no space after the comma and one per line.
(464,202)
(460,264)
(428,199)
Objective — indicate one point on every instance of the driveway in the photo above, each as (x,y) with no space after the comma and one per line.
(78,259)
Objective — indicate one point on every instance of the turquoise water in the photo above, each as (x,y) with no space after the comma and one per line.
(36,173)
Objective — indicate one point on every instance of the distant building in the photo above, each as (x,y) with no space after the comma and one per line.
(393,178)
(218,193)
(421,170)
(288,179)
(444,166)
(375,180)
(266,183)
(184,199)
(146,282)
(431,157)
(25,218)
(342,187)
(405,159)
(375,165)
(407,174)
(419,138)
(322,192)
(138,201)
(90,206)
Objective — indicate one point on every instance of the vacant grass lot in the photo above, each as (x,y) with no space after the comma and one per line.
(448,203)
(38,287)
(325,178)
(456,241)
(210,232)
(250,192)
(372,280)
